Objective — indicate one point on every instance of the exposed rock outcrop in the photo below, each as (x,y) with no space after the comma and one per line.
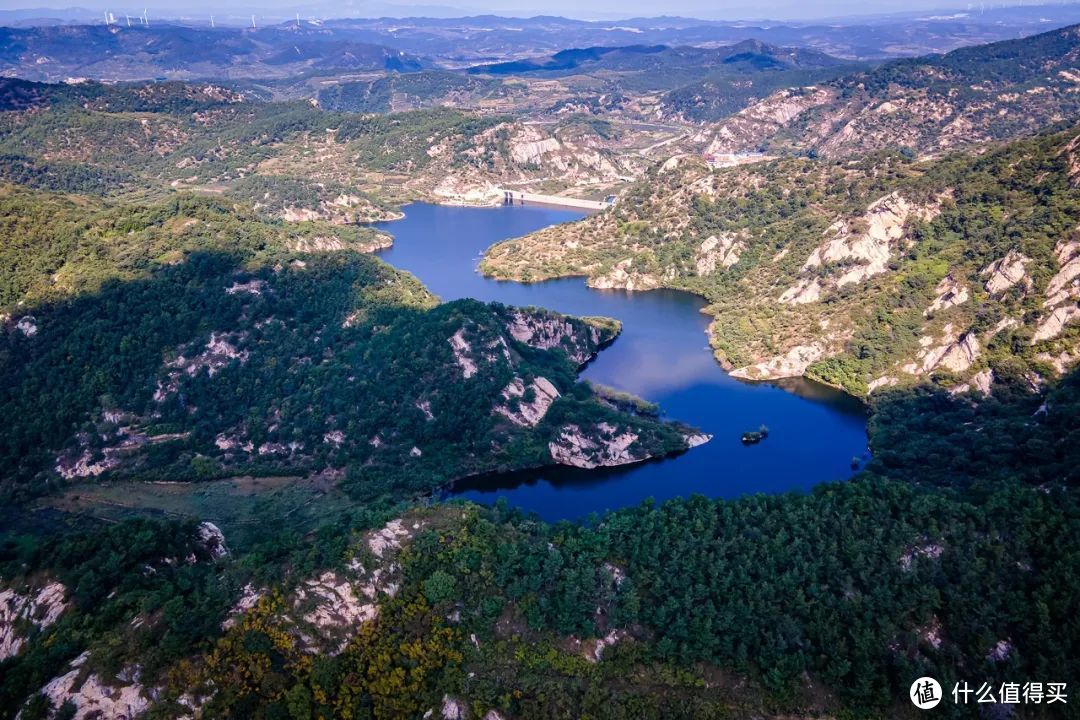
(793,363)
(928,550)
(456,190)
(1052,325)
(325,610)
(342,209)
(1060,362)
(472,348)
(806,290)
(937,106)
(332,606)
(462,351)
(252,287)
(883,381)
(884,221)
(960,355)
(594,651)
(210,537)
(547,331)
(324,243)
(696,439)
(857,249)
(423,406)
(606,448)
(870,248)
(529,146)
(1001,651)
(388,539)
(1065,285)
(930,633)
(949,294)
(83,460)
(453,709)
(94,699)
(248,599)
(527,413)
(749,126)
(39,607)
(521,156)
(623,276)
(981,381)
(27,325)
(71,467)
(1006,272)
(220,350)
(953,353)
(723,250)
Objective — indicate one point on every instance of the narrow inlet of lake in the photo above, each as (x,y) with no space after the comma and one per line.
(662,355)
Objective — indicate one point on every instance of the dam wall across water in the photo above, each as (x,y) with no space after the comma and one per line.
(516,197)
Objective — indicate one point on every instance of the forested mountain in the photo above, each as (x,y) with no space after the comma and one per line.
(793,605)
(971,95)
(887,36)
(861,274)
(56,245)
(412,91)
(150,312)
(488,38)
(159,137)
(138,52)
(648,67)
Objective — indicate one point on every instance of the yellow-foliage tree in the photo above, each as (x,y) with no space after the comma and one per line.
(393,667)
(257,657)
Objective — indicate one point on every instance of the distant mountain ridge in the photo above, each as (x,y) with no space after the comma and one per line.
(462,41)
(177,52)
(859,38)
(565,59)
(747,54)
(929,104)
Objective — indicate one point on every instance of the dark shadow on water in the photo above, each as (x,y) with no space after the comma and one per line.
(821,393)
(559,476)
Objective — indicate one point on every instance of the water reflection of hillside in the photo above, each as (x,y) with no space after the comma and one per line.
(816,392)
(558,476)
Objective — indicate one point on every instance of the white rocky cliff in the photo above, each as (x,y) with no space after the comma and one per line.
(21,607)
(605,448)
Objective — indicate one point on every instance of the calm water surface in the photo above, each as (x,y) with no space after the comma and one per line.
(662,355)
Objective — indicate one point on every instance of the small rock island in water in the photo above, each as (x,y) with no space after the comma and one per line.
(755,436)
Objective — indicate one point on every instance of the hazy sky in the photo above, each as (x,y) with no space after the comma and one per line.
(712,9)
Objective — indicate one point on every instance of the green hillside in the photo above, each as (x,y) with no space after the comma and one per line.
(132,321)
(927,105)
(862,274)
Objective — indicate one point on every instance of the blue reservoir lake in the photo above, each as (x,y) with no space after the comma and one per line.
(662,355)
